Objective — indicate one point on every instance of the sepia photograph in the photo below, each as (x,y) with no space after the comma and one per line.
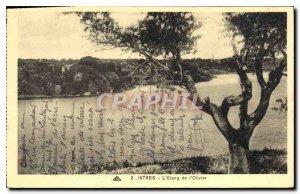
(163,95)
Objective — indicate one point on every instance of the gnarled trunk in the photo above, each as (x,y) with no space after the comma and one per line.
(238,138)
(239,161)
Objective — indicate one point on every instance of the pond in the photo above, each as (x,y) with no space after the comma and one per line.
(65,134)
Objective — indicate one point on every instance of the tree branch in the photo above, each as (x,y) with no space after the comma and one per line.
(274,79)
(212,109)
(259,61)
(136,68)
(241,100)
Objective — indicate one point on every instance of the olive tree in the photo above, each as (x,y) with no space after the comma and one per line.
(263,42)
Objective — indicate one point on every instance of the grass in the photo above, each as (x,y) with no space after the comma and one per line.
(267,161)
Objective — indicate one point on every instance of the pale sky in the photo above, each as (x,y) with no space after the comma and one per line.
(53,35)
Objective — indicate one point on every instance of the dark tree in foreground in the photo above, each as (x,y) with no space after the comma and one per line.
(168,35)
(263,41)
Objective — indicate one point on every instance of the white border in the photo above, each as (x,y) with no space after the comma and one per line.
(5,3)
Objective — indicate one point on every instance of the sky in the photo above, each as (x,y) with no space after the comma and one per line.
(53,35)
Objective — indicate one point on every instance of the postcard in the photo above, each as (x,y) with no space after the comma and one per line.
(150,97)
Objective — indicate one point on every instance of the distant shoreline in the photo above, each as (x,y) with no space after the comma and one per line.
(30,97)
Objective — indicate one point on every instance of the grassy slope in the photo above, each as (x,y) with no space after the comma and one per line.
(261,162)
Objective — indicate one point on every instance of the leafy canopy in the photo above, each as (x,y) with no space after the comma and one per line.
(161,34)
(160,37)
(263,34)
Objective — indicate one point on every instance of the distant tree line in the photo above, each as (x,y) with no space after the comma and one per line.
(91,76)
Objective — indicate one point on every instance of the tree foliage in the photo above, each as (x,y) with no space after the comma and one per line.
(158,34)
(161,38)
(263,36)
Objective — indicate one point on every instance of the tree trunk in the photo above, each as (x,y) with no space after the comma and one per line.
(238,163)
